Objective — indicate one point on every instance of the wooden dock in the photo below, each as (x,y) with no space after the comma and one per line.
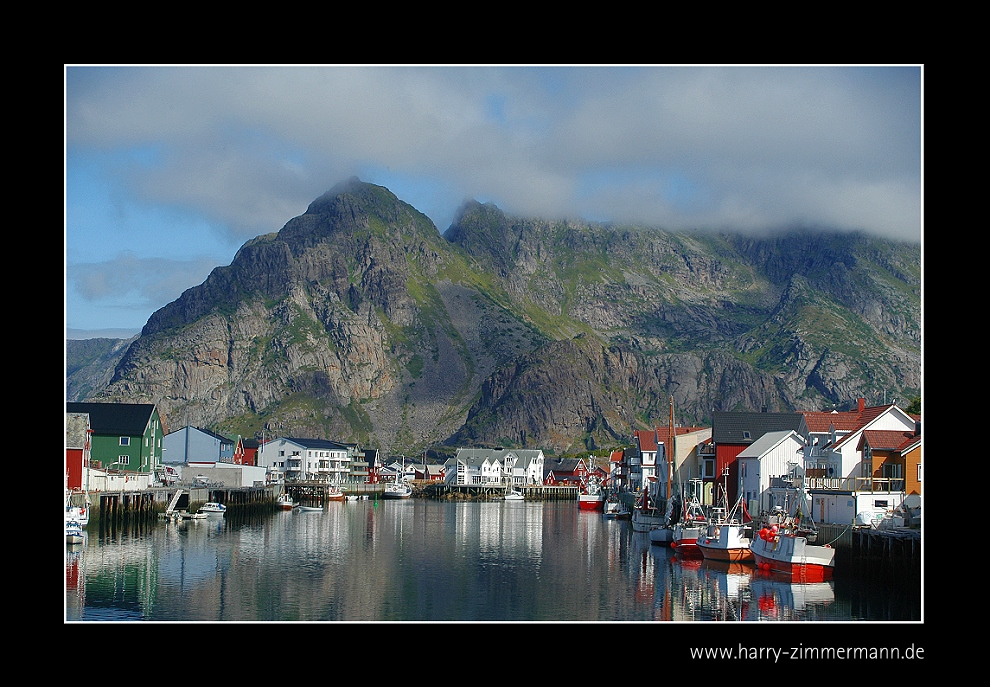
(874,551)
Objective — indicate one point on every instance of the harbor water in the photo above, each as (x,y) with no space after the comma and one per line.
(421,560)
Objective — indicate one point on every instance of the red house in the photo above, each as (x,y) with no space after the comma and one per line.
(77,448)
(732,432)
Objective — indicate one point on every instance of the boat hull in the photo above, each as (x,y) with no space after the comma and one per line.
(685,540)
(726,542)
(792,555)
(644,521)
(586,502)
(716,553)
(661,535)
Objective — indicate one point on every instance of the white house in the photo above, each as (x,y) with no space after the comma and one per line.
(766,468)
(841,486)
(307,459)
(480,466)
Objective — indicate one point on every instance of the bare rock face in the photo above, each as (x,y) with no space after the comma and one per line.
(359,321)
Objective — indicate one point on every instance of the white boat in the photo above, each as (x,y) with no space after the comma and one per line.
(786,543)
(213,508)
(285,501)
(645,516)
(514,495)
(728,537)
(76,512)
(310,509)
(186,515)
(616,509)
(691,525)
(73,532)
(592,496)
(397,490)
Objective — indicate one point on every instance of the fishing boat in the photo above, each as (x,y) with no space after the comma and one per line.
(514,495)
(397,490)
(645,515)
(786,542)
(335,494)
(662,533)
(213,508)
(76,512)
(592,497)
(285,501)
(728,537)
(616,509)
(73,532)
(691,526)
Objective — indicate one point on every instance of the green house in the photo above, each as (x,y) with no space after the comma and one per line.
(125,436)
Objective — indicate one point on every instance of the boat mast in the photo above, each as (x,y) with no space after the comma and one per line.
(669,449)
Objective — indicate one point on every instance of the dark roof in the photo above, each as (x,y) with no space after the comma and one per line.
(731,427)
(123,419)
(319,443)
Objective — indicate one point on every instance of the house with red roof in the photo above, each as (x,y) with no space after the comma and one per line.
(857,462)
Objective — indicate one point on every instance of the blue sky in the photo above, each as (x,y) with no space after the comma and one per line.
(170,169)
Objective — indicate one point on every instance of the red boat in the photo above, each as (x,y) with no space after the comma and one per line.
(592,497)
(785,550)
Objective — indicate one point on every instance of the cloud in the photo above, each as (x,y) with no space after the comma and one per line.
(239,151)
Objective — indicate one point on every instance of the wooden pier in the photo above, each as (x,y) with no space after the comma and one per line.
(874,551)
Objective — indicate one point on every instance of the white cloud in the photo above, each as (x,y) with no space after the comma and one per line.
(244,149)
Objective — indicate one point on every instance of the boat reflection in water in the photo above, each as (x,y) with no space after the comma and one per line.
(423,560)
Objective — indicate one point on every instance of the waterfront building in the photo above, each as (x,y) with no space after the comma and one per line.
(480,466)
(125,438)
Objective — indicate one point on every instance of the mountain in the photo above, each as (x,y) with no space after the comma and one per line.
(360,321)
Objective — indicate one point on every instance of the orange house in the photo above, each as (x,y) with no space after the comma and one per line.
(893,459)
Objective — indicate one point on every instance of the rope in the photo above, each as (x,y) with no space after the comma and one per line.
(840,535)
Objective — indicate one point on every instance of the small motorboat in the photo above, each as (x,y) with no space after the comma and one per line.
(310,509)
(514,495)
(397,490)
(73,532)
(213,508)
(616,509)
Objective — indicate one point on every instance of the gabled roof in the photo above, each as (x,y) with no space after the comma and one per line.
(122,419)
(823,421)
(319,443)
(732,427)
(767,443)
(477,456)
(887,439)
(650,439)
(867,416)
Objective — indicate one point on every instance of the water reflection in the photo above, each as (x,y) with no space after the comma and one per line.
(418,560)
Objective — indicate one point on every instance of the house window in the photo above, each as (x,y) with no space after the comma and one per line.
(709,468)
(746,435)
(123,460)
(919,472)
(125,441)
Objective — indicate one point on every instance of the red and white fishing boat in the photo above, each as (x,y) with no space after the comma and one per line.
(285,501)
(592,496)
(786,544)
(692,525)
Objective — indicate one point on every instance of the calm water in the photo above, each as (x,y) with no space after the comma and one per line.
(423,560)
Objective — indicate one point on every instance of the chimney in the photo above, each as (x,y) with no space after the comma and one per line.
(862,404)
(917,428)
